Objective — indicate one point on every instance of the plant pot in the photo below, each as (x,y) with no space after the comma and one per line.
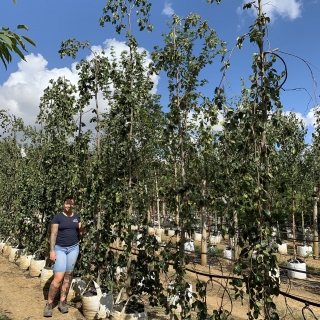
(172,299)
(282,248)
(189,246)
(159,232)
(36,267)
(6,250)
(24,261)
(96,306)
(304,251)
(213,239)
(197,236)
(228,254)
(299,265)
(2,244)
(129,310)
(76,288)
(15,254)
(46,277)
(218,238)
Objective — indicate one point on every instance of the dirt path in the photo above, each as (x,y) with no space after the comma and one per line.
(22,298)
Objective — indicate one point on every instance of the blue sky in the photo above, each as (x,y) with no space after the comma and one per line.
(294,29)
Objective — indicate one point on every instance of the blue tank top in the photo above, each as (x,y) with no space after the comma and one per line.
(68,229)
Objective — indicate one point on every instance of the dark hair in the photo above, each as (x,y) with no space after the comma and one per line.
(68,198)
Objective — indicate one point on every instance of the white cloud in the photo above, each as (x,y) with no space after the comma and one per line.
(308,119)
(280,8)
(21,93)
(168,10)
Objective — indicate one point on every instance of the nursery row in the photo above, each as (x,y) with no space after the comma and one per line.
(107,142)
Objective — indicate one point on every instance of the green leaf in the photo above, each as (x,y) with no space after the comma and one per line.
(22,26)
(7,41)
(29,40)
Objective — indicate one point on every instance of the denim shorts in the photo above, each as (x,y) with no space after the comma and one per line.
(66,258)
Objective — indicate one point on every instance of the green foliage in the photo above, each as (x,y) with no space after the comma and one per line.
(11,42)
(117,10)
(137,157)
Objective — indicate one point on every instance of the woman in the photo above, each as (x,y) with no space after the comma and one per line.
(64,249)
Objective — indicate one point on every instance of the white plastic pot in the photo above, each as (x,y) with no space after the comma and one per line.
(219,237)
(46,277)
(76,288)
(228,253)
(213,239)
(6,250)
(98,306)
(2,244)
(189,246)
(24,261)
(172,299)
(197,236)
(297,265)
(304,251)
(36,267)
(282,248)
(15,254)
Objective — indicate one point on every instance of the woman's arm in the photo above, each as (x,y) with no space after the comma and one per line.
(53,238)
(81,229)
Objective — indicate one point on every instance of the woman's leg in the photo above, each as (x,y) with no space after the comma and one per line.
(71,259)
(54,286)
(65,285)
(59,272)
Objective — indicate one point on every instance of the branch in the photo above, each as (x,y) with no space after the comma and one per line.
(308,65)
(284,63)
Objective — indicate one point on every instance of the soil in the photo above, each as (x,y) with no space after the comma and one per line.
(22,297)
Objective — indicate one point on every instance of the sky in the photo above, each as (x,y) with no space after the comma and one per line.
(294,30)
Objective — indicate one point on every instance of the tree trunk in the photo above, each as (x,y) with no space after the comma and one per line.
(204,230)
(315,223)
